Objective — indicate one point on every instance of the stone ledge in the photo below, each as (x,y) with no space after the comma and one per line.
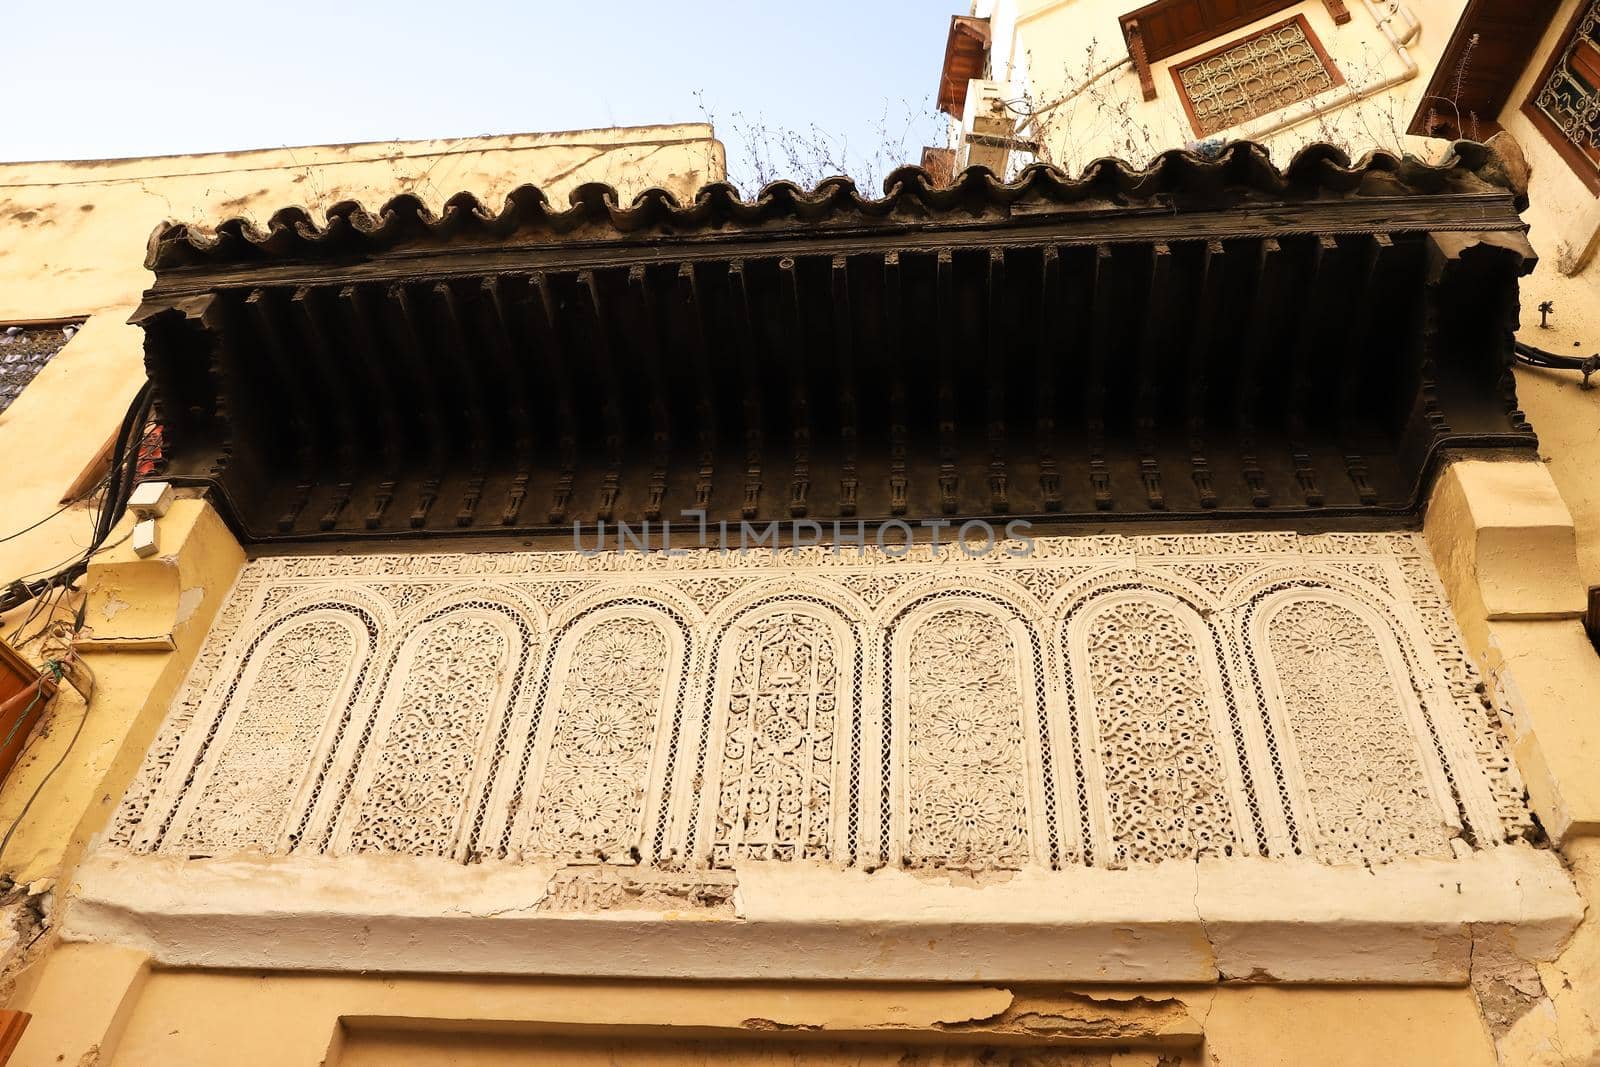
(1504,542)
(1408,922)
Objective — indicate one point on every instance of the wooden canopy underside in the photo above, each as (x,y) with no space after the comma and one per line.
(1184,347)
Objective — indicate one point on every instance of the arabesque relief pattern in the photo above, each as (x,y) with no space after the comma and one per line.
(1166,794)
(778,746)
(965,783)
(268,744)
(1105,701)
(427,755)
(1358,758)
(592,792)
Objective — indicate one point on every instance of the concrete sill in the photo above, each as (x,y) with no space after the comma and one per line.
(1414,921)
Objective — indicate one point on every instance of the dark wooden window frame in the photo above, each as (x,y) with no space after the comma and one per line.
(1305,28)
(1143,51)
(1587,169)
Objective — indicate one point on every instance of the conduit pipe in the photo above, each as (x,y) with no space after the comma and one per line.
(1355,94)
(1116,64)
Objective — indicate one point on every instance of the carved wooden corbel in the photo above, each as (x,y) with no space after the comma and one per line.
(1141,63)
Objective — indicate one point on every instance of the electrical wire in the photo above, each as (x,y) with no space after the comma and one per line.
(115,491)
(1538,357)
(38,692)
(77,732)
(53,514)
(118,488)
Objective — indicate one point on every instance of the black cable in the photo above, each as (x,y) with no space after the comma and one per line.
(120,482)
(48,517)
(77,731)
(120,479)
(1538,357)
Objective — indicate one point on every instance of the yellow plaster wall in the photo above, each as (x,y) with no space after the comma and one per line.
(1550,668)
(173,595)
(1546,668)
(1564,226)
(73,238)
(1564,215)
(72,243)
(1567,1030)
(1044,46)
(132,1016)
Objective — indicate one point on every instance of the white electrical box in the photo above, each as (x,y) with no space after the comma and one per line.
(150,500)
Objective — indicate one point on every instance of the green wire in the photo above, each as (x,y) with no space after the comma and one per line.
(54,668)
(22,718)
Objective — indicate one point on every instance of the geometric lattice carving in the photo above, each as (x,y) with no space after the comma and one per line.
(1358,756)
(592,792)
(427,753)
(268,744)
(1259,74)
(24,351)
(777,752)
(1107,700)
(966,785)
(1166,794)
(1567,99)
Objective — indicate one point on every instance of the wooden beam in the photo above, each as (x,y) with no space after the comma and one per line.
(12,1025)
(545,332)
(1314,316)
(1340,13)
(1102,312)
(742,331)
(404,328)
(477,399)
(946,324)
(1050,341)
(1208,296)
(226,371)
(844,363)
(1141,59)
(340,391)
(1258,336)
(266,318)
(998,328)
(496,323)
(799,389)
(648,345)
(898,416)
(1152,339)
(611,399)
(1357,338)
(692,308)
(362,326)
(1426,421)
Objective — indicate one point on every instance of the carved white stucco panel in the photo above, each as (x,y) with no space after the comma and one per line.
(820,706)
(1160,729)
(242,773)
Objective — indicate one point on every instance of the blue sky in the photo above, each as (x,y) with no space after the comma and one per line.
(94,79)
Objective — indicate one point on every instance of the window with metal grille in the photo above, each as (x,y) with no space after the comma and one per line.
(1565,105)
(1253,76)
(25,349)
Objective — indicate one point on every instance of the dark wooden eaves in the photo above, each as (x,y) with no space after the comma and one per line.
(1172,342)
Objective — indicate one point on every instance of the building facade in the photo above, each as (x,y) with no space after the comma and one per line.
(1119,616)
(1067,82)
